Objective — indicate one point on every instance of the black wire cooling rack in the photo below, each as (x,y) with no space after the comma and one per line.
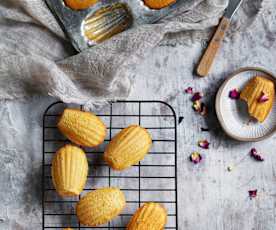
(153,179)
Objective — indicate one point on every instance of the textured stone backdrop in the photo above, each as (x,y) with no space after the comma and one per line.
(210,197)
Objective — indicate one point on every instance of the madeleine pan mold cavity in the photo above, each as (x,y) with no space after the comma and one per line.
(106,22)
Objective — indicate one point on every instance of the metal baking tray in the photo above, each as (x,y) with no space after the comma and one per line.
(72,20)
(153,179)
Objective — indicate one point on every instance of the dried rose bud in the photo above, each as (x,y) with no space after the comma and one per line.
(230,168)
(252,193)
(203,144)
(189,90)
(195,157)
(255,155)
(263,98)
(200,107)
(203,110)
(197,106)
(197,96)
(234,94)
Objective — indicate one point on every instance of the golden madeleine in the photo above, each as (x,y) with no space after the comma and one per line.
(80,4)
(158,4)
(151,216)
(100,206)
(69,170)
(259,94)
(128,147)
(82,128)
(67,229)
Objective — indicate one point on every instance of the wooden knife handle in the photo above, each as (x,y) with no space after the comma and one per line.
(208,57)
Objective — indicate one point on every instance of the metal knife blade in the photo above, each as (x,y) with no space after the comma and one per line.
(232,8)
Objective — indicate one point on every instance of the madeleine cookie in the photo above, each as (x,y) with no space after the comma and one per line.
(128,147)
(82,128)
(259,94)
(80,4)
(151,216)
(158,4)
(67,229)
(69,170)
(100,206)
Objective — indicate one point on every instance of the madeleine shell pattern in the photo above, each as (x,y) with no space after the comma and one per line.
(100,206)
(252,93)
(106,22)
(151,216)
(69,170)
(128,147)
(82,128)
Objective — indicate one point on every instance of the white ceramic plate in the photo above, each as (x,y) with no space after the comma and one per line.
(233,115)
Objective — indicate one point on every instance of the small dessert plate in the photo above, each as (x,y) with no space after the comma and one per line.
(233,114)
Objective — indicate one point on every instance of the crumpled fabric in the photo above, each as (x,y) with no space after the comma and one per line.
(37,58)
(253,30)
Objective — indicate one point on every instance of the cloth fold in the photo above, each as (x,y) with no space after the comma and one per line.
(36,57)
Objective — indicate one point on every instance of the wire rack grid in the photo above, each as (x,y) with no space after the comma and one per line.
(153,179)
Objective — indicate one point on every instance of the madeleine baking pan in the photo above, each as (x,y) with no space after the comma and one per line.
(89,22)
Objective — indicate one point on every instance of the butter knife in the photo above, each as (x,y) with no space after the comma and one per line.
(209,55)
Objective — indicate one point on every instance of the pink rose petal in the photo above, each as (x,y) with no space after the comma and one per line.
(256,155)
(197,96)
(204,144)
(263,98)
(189,90)
(252,193)
(234,94)
(195,157)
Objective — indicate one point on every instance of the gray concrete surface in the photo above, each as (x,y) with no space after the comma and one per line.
(210,197)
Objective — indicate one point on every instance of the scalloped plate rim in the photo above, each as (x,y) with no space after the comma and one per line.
(218,108)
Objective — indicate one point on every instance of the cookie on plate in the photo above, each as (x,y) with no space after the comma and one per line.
(259,94)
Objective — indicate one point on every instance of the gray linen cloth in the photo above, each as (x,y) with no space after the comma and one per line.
(30,32)
(36,57)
